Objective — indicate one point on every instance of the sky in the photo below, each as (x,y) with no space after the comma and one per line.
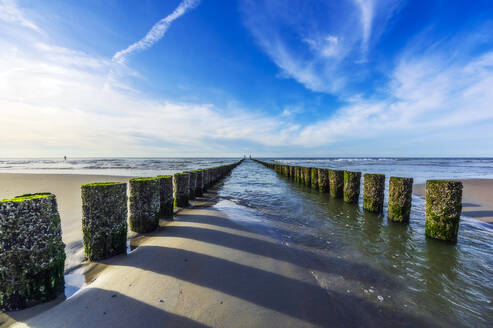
(283,78)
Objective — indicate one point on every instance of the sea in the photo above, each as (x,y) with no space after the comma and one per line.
(391,267)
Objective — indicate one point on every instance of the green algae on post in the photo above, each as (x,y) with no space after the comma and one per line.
(400,199)
(443,208)
(144,204)
(373,192)
(307,176)
(314,178)
(181,189)
(104,219)
(166,197)
(32,252)
(352,182)
(323,180)
(336,183)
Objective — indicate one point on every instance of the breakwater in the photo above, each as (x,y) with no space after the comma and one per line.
(443,197)
(33,254)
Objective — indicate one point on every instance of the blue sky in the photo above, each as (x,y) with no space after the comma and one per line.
(267,77)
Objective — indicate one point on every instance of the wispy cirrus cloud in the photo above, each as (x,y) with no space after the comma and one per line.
(326,44)
(10,12)
(156,32)
(366,8)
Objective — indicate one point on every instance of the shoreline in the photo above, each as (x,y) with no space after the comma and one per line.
(477,198)
(207,269)
(176,277)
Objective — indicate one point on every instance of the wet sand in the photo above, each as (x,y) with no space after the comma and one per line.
(477,198)
(202,270)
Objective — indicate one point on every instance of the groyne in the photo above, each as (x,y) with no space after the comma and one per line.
(32,252)
(443,197)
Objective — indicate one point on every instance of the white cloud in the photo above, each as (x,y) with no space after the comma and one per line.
(156,32)
(366,8)
(327,46)
(10,12)
(428,95)
(331,45)
(56,100)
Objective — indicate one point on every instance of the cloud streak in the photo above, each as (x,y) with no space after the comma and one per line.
(331,45)
(366,8)
(10,12)
(156,32)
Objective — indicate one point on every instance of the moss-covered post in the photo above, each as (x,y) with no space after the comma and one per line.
(297,173)
(336,183)
(144,204)
(104,219)
(307,176)
(443,208)
(373,192)
(314,178)
(300,174)
(166,196)
(199,186)
(32,254)
(400,198)
(291,172)
(181,189)
(323,180)
(352,183)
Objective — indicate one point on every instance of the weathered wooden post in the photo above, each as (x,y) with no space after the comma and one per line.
(192,184)
(323,180)
(314,178)
(400,198)
(104,219)
(199,186)
(291,172)
(181,189)
(144,204)
(336,183)
(307,176)
(352,182)
(32,254)
(166,196)
(297,174)
(373,192)
(443,208)
(206,178)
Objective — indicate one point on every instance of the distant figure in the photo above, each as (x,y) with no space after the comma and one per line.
(64,158)
(250,156)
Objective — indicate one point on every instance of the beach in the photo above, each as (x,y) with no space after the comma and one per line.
(212,267)
(203,269)
(477,198)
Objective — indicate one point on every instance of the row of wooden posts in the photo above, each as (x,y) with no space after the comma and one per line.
(32,254)
(443,197)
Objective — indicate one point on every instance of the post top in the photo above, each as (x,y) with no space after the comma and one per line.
(26,197)
(144,179)
(100,184)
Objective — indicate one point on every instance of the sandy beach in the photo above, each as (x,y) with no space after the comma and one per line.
(202,270)
(477,198)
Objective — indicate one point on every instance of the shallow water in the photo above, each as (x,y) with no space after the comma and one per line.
(391,265)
